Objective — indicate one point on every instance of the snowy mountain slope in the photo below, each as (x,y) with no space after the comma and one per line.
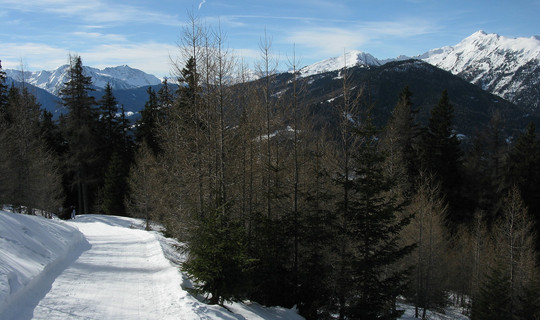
(121,77)
(99,267)
(349,59)
(507,67)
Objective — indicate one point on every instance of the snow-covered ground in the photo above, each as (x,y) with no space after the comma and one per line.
(107,267)
(99,267)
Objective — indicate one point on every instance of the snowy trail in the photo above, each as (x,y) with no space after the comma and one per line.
(121,275)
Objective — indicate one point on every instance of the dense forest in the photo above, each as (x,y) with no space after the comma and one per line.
(345,221)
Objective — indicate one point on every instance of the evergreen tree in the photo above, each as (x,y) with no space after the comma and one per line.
(441,155)
(111,134)
(400,142)
(115,186)
(165,98)
(523,171)
(148,123)
(218,260)
(29,175)
(374,232)
(494,299)
(3,92)
(81,125)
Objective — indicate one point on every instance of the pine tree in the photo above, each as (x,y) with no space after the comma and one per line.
(441,155)
(3,92)
(218,260)
(29,175)
(523,171)
(400,142)
(494,299)
(111,134)
(80,132)
(115,186)
(148,123)
(374,232)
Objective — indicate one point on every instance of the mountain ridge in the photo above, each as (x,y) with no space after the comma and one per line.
(120,77)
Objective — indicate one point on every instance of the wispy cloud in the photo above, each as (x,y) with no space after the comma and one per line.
(201,4)
(152,57)
(96,36)
(97,11)
(333,40)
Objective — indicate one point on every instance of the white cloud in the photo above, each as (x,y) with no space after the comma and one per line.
(96,36)
(200,4)
(333,40)
(95,12)
(150,57)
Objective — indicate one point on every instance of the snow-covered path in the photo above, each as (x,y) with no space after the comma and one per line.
(120,274)
(111,269)
(123,275)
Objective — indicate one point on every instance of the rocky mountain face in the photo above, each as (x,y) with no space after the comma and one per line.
(507,67)
(120,78)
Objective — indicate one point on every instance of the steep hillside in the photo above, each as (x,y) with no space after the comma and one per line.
(382,85)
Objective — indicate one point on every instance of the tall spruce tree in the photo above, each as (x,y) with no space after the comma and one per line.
(80,131)
(148,123)
(523,171)
(400,142)
(111,133)
(441,155)
(3,91)
(374,230)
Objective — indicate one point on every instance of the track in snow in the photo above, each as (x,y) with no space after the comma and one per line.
(120,274)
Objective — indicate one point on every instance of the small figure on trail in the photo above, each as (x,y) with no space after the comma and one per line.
(73,213)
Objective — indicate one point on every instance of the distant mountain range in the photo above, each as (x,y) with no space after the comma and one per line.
(506,67)
(120,78)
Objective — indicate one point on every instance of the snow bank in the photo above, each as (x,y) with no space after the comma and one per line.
(33,249)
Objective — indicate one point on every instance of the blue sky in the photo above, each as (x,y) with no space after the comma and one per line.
(39,34)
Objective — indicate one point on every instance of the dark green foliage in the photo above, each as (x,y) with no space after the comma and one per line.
(217,258)
(111,132)
(81,132)
(441,155)
(115,187)
(3,92)
(29,175)
(401,143)
(148,123)
(523,170)
(372,233)
(494,300)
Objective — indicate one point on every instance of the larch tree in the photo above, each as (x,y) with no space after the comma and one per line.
(427,230)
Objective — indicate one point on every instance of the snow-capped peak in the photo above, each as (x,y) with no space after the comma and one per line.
(498,64)
(348,60)
(121,77)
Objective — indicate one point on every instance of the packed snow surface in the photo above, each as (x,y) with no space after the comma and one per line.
(99,267)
